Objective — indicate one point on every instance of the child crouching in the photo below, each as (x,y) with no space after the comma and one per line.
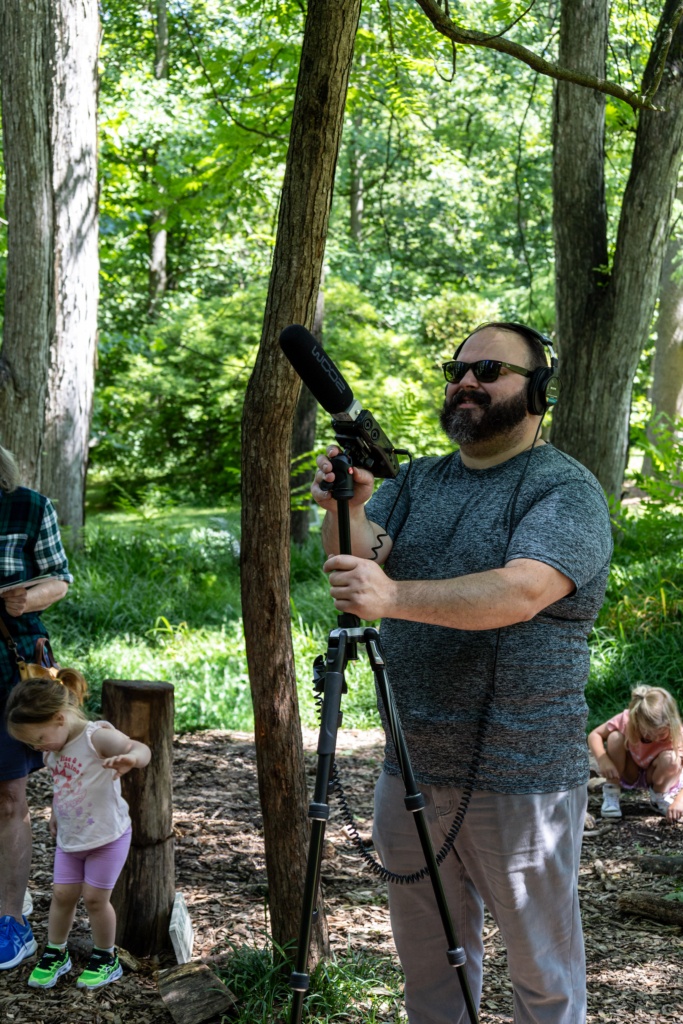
(644,751)
(90,819)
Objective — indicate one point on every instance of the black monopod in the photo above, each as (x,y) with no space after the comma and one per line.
(363,444)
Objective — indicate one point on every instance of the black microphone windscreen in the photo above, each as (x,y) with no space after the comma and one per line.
(316,369)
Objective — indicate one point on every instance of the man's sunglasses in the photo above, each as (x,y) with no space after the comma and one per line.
(485,370)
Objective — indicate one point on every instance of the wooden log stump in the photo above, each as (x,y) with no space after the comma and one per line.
(644,904)
(143,896)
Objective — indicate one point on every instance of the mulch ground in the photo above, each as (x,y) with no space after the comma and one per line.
(634,965)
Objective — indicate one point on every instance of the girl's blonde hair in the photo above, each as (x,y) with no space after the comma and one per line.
(37,700)
(652,708)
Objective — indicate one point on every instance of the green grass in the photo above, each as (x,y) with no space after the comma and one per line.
(357,986)
(156,596)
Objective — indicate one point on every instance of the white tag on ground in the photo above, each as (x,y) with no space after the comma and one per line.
(181,930)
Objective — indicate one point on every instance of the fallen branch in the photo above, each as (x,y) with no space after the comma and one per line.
(659,865)
(193,994)
(657,908)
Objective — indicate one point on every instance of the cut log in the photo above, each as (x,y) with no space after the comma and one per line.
(143,896)
(659,865)
(644,904)
(193,994)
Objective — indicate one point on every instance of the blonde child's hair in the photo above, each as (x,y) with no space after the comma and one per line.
(653,707)
(37,700)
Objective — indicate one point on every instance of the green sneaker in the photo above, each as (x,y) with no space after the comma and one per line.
(102,968)
(52,965)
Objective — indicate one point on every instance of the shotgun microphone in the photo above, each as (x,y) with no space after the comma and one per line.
(318,372)
(356,429)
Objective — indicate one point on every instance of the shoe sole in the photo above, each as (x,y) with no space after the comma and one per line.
(64,969)
(112,977)
(26,952)
(611,814)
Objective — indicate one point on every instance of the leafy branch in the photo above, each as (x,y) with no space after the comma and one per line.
(465,37)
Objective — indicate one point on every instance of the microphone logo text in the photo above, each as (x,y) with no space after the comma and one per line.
(329,369)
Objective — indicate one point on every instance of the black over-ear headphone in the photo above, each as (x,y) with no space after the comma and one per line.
(544,384)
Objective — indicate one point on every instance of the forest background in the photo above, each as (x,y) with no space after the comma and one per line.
(442,218)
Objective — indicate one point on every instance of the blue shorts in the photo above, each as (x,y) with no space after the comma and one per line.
(16,759)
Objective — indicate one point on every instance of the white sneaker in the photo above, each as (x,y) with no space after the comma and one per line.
(660,801)
(610,801)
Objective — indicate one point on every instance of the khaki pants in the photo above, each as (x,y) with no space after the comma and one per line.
(519,855)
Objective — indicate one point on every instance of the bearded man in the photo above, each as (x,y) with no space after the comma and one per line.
(495,560)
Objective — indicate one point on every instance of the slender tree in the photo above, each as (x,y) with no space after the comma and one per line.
(48,80)
(271,398)
(158,232)
(666,394)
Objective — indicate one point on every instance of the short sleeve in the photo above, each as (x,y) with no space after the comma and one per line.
(567,528)
(619,723)
(48,550)
(379,508)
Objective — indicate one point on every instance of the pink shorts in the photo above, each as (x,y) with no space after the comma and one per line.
(99,867)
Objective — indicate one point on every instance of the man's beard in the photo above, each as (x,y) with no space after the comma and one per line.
(494,421)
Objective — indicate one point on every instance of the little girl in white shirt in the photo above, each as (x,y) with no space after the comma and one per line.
(89,820)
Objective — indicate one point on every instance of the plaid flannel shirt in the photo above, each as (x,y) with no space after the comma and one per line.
(30,545)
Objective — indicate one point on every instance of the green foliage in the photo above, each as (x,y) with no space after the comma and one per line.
(662,444)
(169,401)
(357,985)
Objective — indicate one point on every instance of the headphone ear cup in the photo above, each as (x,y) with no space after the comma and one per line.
(536,393)
(543,390)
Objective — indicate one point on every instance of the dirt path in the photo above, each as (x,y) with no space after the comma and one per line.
(634,967)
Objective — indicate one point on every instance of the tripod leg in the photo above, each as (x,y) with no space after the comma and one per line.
(318,811)
(415,803)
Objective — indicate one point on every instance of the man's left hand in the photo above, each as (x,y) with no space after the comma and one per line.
(360,587)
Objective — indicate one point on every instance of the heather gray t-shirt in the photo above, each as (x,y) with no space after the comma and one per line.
(452,521)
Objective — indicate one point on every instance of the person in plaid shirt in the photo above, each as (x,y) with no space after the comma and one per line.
(30,546)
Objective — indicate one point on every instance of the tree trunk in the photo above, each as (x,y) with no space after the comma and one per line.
(603,318)
(667,384)
(48,74)
(143,896)
(158,234)
(270,402)
(303,434)
(29,291)
(73,103)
